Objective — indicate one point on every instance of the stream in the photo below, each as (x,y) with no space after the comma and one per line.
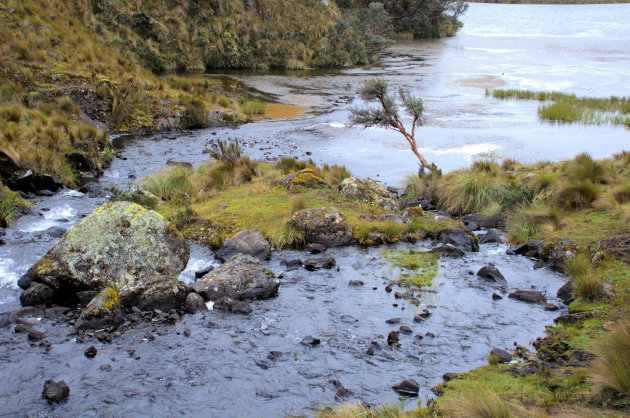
(224,368)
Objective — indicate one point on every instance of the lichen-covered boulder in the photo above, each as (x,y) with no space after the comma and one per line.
(157,293)
(241,277)
(324,226)
(369,191)
(103,311)
(118,244)
(249,242)
(301,179)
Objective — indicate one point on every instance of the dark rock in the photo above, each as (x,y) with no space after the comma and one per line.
(86,297)
(92,188)
(314,248)
(393,321)
(392,338)
(449,376)
(310,340)
(459,238)
(158,293)
(320,262)
(37,294)
(355,283)
(248,242)
(553,253)
(565,293)
(429,334)
(292,264)
(493,235)
(407,387)
(22,329)
(103,311)
(187,332)
(55,231)
(324,226)
(28,311)
(529,296)
(342,392)
(550,307)
(105,367)
(572,318)
(52,313)
(35,335)
(539,264)
(496,296)
(199,274)
(235,306)
(404,329)
(194,303)
(55,392)
(174,317)
(274,355)
(90,352)
(504,356)
(241,277)
(476,221)
(492,274)
(448,250)
(421,316)
(31,183)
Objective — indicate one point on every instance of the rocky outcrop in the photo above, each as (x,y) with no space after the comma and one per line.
(619,245)
(554,253)
(459,238)
(241,277)
(249,242)
(324,226)
(103,311)
(119,244)
(368,190)
(302,179)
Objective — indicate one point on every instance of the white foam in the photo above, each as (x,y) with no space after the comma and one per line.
(494,50)
(8,278)
(472,149)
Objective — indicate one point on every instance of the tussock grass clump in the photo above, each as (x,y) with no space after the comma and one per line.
(359,410)
(584,168)
(392,232)
(297,204)
(576,194)
(611,370)
(481,403)
(493,359)
(10,205)
(171,184)
(586,283)
(334,174)
(362,235)
(289,165)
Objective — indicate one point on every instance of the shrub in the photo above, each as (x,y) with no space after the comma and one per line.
(392,232)
(577,194)
(612,365)
(583,168)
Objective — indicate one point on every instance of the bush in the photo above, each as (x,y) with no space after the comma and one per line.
(583,168)
(612,366)
(577,194)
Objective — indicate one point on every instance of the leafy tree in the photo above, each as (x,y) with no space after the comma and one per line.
(387,114)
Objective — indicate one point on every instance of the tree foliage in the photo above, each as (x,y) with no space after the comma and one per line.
(387,114)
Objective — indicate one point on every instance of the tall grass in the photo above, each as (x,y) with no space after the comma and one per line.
(612,366)
(481,403)
(586,283)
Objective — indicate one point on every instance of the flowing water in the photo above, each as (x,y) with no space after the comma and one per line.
(222,368)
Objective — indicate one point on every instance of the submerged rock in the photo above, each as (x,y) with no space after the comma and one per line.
(231,305)
(324,226)
(407,387)
(492,274)
(314,248)
(448,250)
(241,277)
(459,238)
(529,296)
(249,242)
(118,244)
(55,392)
(368,190)
(321,262)
(493,235)
(103,311)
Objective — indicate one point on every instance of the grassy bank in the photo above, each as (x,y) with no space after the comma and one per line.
(582,366)
(564,107)
(550,1)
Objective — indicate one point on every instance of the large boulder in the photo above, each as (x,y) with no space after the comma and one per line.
(119,244)
(324,226)
(369,191)
(157,293)
(491,274)
(249,242)
(301,179)
(459,238)
(103,311)
(241,277)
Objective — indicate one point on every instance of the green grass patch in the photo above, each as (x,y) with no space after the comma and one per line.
(419,267)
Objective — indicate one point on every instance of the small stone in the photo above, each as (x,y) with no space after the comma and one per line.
(393,321)
(407,387)
(496,296)
(310,340)
(404,329)
(392,338)
(194,303)
(187,332)
(174,317)
(55,392)
(421,316)
(90,352)
(550,307)
(355,283)
(274,355)
(105,367)
(429,334)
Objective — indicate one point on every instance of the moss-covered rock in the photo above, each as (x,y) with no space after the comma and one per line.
(119,244)
(324,226)
(368,190)
(102,312)
(306,179)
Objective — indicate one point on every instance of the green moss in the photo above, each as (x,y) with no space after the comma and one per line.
(419,267)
